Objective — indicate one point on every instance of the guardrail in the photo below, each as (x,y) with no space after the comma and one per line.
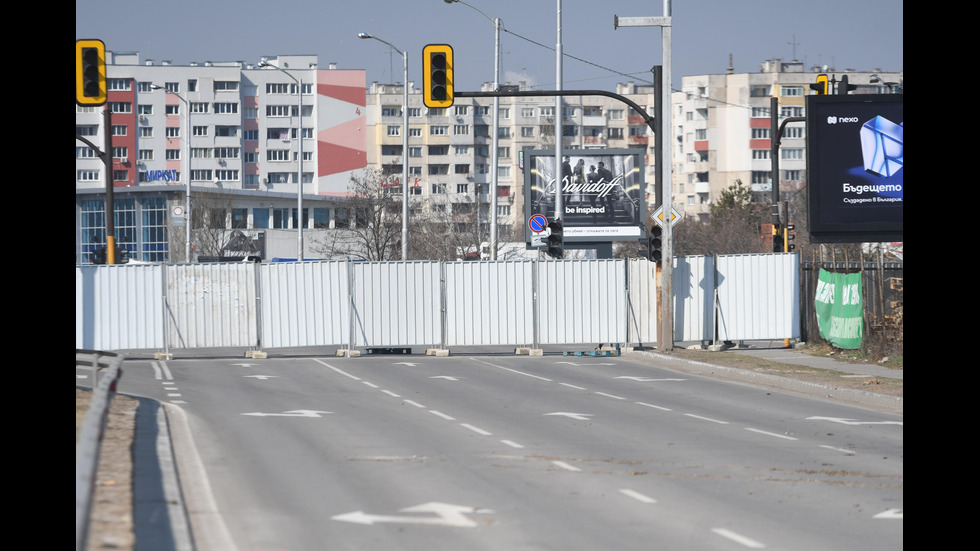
(88,445)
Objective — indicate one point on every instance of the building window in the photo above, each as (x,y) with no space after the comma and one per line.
(759,91)
(146,132)
(226,152)
(226,175)
(461,110)
(438,150)
(172,110)
(260,218)
(321,218)
(760,154)
(225,85)
(415,112)
(201,175)
(173,131)
(84,152)
(527,131)
(760,133)
(199,131)
(172,154)
(527,112)
(760,112)
(278,110)
(793,132)
(250,135)
(200,107)
(201,152)
(791,154)
(145,154)
(394,130)
(438,169)
(792,90)
(461,149)
(121,107)
(276,88)
(461,130)
(461,169)
(462,188)
(225,108)
(227,131)
(438,130)
(761,176)
(415,132)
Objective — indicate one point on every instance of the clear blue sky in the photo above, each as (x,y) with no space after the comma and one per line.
(843,34)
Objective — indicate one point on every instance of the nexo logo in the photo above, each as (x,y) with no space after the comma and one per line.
(834,120)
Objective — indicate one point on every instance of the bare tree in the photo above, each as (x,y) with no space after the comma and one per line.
(371,225)
(733,226)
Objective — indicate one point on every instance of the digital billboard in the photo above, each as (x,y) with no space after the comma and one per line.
(855,159)
(603,193)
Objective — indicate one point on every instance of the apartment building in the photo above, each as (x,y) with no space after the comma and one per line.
(450,157)
(243,141)
(242,138)
(722,128)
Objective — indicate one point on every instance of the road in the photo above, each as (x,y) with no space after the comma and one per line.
(516,452)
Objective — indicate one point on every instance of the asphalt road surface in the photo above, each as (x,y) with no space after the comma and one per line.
(519,453)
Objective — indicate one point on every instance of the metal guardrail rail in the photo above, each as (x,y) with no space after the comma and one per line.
(89,442)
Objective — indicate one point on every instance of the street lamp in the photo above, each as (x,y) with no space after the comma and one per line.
(496,129)
(186,176)
(404,141)
(299,136)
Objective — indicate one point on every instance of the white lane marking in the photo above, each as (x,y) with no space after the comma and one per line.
(441,414)
(512,444)
(648,379)
(566,466)
(842,450)
(476,429)
(653,406)
(638,496)
(706,419)
(844,421)
(516,371)
(446,377)
(390,393)
(572,386)
(610,396)
(890,514)
(579,416)
(340,371)
(771,433)
(293,413)
(414,403)
(738,538)
(370,384)
(446,514)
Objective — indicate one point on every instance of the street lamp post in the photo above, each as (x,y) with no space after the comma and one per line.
(496,128)
(404,140)
(187,176)
(301,222)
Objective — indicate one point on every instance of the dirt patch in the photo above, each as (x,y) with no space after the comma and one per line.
(111,526)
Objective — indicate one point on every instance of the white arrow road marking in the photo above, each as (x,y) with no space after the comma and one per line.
(245,365)
(579,416)
(843,421)
(590,363)
(890,514)
(738,538)
(293,413)
(405,363)
(446,377)
(262,377)
(648,379)
(447,514)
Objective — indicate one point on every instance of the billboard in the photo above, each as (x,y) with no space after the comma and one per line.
(855,159)
(603,193)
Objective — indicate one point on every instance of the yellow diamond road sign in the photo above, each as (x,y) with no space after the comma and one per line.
(658,216)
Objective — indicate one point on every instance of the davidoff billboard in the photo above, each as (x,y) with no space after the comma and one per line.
(603,192)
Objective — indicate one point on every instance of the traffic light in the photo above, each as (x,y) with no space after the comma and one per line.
(777,237)
(90,86)
(844,88)
(656,243)
(437,74)
(556,241)
(821,86)
(790,232)
(100,256)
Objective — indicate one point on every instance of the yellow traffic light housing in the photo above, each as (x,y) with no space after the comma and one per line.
(822,86)
(437,75)
(90,85)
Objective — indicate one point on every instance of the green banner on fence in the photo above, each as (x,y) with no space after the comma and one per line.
(839,311)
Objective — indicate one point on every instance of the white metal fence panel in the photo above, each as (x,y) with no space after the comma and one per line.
(489,303)
(212,305)
(119,307)
(758,297)
(304,304)
(694,298)
(642,314)
(395,303)
(581,301)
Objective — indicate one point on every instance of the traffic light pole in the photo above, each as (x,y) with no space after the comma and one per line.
(106,157)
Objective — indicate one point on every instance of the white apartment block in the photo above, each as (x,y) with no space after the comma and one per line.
(722,129)
(238,131)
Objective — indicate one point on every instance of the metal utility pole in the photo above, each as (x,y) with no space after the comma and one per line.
(665,338)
